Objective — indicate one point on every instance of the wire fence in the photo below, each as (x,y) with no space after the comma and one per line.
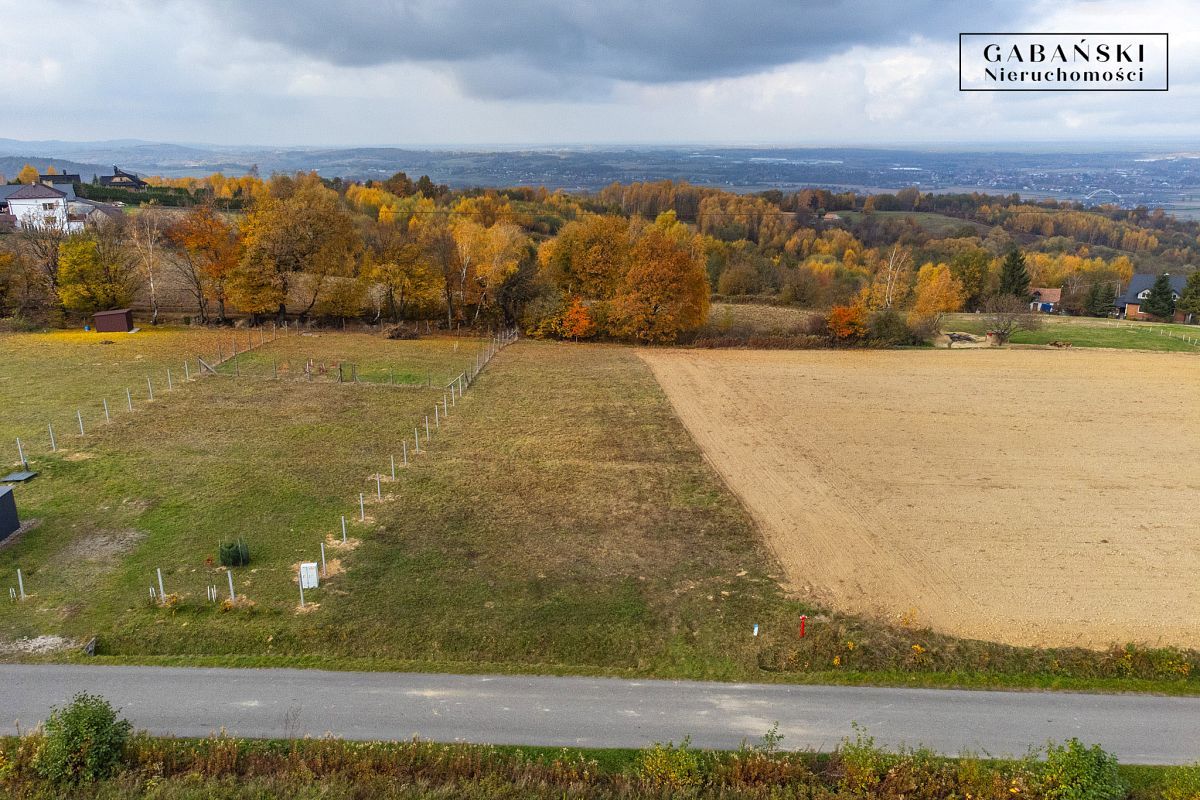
(170,591)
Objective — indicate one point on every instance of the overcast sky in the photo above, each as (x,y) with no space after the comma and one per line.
(451,72)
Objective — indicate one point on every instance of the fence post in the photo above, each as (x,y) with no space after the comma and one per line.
(21,453)
(229,574)
(79,416)
(170,384)
(393,458)
(323,560)
(20,583)
(53,444)
(362,508)
(150,387)
(404,445)
(161,594)
(128,398)
(343,528)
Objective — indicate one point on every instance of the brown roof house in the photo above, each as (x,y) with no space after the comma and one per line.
(1045,300)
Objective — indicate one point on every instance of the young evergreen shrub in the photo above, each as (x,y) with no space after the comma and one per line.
(234,554)
(83,742)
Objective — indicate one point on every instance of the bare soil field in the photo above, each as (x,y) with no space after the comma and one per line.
(1028,497)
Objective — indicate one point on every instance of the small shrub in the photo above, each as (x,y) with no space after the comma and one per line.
(1072,771)
(671,766)
(83,742)
(888,327)
(234,554)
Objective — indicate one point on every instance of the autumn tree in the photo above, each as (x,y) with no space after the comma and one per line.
(408,281)
(1014,277)
(665,291)
(438,245)
(970,268)
(28,174)
(95,274)
(300,233)
(937,293)
(589,257)
(208,252)
(577,322)
(891,283)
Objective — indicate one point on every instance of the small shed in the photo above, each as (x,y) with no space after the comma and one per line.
(9,521)
(119,320)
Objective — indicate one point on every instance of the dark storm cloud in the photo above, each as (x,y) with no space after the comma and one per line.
(571,47)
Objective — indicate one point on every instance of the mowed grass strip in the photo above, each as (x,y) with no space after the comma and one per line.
(431,361)
(564,518)
(1092,332)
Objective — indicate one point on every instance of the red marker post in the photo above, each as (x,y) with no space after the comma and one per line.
(803,619)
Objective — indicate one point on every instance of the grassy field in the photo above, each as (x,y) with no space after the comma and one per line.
(1092,332)
(758,319)
(936,224)
(561,521)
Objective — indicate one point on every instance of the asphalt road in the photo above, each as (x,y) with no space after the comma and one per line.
(591,712)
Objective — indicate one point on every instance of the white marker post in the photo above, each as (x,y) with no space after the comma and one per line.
(232,596)
(393,458)
(162,594)
(343,528)
(107,418)
(20,584)
(404,447)
(79,416)
(170,384)
(323,560)
(300,580)
(427,427)
(417,439)
(150,388)
(129,399)
(362,508)
(187,372)
(21,453)
(53,444)
(437,417)
(378,486)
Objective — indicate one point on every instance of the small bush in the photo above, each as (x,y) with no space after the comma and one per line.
(83,742)
(671,766)
(234,554)
(1072,771)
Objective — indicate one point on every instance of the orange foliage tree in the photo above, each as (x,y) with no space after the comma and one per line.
(577,321)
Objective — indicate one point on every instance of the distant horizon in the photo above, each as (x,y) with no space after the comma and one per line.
(1031,146)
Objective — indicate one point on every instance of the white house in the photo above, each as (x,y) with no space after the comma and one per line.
(38,206)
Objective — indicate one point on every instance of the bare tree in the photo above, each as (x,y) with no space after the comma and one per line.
(39,242)
(1006,314)
(147,238)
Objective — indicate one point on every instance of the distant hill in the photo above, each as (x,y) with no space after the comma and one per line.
(11,165)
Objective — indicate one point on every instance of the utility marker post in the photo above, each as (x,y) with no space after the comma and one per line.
(343,528)
(232,596)
(150,388)
(427,427)
(187,372)
(362,508)
(107,418)
(20,584)
(170,384)
(323,560)
(378,486)
(404,447)
(21,453)
(53,444)
(128,398)
(437,417)
(393,458)
(300,580)
(161,594)
(417,439)
(79,416)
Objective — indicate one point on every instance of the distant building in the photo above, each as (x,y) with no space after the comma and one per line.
(120,179)
(1129,304)
(1045,300)
(64,182)
(831,217)
(38,206)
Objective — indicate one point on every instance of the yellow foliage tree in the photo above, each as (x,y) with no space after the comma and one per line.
(938,292)
(28,174)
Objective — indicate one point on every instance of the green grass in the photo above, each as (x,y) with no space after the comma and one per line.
(1091,332)
(936,224)
(561,521)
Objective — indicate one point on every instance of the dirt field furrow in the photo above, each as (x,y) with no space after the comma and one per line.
(1031,497)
